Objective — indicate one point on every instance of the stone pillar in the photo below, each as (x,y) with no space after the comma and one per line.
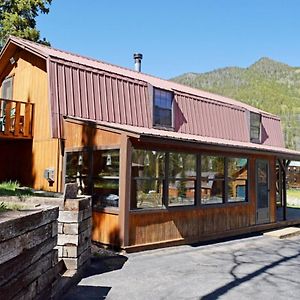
(74,233)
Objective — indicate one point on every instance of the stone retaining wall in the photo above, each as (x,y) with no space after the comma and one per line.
(43,248)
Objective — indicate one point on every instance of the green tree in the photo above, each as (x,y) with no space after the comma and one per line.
(17,17)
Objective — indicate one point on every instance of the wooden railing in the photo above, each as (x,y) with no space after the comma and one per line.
(16,118)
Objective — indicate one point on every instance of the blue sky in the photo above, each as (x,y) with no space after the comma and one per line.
(176,36)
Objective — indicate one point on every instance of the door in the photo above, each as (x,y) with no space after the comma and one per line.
(262,191)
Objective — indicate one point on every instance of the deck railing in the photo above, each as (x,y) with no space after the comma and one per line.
(16,119)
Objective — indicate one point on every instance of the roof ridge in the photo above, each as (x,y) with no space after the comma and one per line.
(145,77)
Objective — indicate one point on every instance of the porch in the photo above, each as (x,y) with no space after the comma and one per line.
(16,119)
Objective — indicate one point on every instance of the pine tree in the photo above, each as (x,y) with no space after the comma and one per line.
(17,17)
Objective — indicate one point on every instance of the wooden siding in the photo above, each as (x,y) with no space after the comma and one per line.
(30,84)
(106,228)
(192,224)
(188,224)
(80,135)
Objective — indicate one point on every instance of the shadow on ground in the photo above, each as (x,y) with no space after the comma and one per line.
(99,265)
(87,292)
(104,264)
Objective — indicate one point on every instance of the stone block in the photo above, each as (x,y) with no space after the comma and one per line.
(69,217)
(78,204)
(71,263)
(71,190)
(60,227)
(70,251)
(64,239)
(71,228)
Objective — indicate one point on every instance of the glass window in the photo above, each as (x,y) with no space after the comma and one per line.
(255,124)
(96,173)
(77,170)
(212,179)
(6,93)
(105,175)
(7,88)
(182,179)
(163,101)
(148,173)
(237,179)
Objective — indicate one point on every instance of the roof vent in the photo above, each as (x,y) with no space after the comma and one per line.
(138,61)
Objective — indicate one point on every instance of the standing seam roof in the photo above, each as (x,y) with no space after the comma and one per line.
(90,89)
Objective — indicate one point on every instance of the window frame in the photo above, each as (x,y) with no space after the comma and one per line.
(152,96)
(224,181)
(168,178)
(90,150)
(228,179)
(7,80)
(255,139)
(158,179)
(198,186)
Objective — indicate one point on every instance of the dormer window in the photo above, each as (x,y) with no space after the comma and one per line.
(255,125)
(162,108)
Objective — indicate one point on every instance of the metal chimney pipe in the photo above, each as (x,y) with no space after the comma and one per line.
(138,61)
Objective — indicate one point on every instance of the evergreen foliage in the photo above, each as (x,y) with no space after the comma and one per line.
(267,84)
(17,17)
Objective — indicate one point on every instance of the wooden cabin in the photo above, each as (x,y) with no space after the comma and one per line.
(165,163)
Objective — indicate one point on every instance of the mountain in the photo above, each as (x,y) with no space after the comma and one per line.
(267,84)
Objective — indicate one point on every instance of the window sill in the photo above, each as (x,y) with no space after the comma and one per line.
(188,207)
(161,127)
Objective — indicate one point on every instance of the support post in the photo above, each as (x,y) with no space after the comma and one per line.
(284,194)
(125,187)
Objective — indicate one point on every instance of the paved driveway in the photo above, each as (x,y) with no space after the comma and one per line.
(250,268)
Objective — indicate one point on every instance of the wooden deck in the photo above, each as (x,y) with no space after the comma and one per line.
(16,118)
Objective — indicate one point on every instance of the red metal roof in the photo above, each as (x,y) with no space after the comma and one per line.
(87,88)
(236,145)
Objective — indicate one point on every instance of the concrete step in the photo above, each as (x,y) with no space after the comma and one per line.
(284,233)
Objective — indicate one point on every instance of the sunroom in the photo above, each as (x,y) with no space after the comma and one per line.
(154,187)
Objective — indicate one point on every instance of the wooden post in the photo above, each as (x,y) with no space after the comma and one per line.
(125,187)
(284,194)
(27,119)
(7,117)
(17,119)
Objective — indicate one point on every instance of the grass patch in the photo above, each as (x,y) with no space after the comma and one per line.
(12,188)
(295,193)
(6,206)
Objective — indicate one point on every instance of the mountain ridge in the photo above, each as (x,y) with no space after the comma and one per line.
(267,84)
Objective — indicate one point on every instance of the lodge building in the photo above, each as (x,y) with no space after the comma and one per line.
(165,163)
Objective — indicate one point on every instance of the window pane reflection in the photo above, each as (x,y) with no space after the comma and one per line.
(212,179)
